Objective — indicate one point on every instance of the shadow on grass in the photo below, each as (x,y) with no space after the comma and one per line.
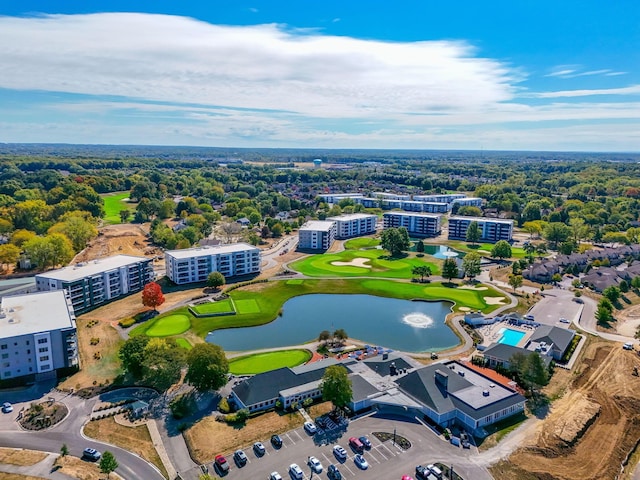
(398,256)
(502,428)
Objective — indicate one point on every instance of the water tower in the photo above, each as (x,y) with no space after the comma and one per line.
(317,163)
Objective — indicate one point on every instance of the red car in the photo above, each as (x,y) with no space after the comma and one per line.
(406,477)
(221,464)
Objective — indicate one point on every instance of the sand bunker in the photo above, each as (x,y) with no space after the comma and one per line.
(356,262)
(464,309)
(494,300)
(472,287)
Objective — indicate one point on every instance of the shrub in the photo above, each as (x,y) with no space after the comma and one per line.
(242,414)
(127,322)
(94,341)
(223,406)
(181,406)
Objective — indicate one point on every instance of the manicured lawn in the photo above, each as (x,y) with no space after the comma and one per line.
(376,263)
(294,282)
(184,343)
(221,306)
(264,362)
(483,248)
(113,203)
(269,298)
(362,242)
(173,324)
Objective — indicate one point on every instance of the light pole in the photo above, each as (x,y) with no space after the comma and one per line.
(394,435)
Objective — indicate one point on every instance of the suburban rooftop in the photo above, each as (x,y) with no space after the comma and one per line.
(35,313)
(210,250)
(322,225)
(94,267)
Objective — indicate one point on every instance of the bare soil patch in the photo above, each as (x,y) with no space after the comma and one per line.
(43,415)
(81,469)
(135,439)
(125,239)
(591,428)
(21,458)
(17,476)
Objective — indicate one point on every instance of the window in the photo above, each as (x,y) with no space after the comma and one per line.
(3,346)
(28,351)
(5,355)
(44,358)
(43,349)
(42,340)
(46,367)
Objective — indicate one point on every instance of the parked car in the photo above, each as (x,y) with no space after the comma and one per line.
(435,470)
(564,320)
(356,444)
(240,457)
(7,407)
(276,441)
(466,444)
(333,473)
(626,346)
(315,464)
(361,462)
(221,464)
(310,428)
(406,477)
(365,442)
(91,454)
(295,471)
(259,449)
(422,473)
(340,452)
(275,476)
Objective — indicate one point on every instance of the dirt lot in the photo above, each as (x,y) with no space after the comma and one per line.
(591,429)
(208,438)
(22,458)
(126,239)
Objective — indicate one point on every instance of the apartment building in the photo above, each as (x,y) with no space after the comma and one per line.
(317,235)
(468,202)
(195,264)
(336,197)
(37,335)
(93,283)
(417,224)
(354,225)
(390,196)
(491,229)
(440,198)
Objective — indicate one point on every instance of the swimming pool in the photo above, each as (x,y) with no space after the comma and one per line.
(510,337)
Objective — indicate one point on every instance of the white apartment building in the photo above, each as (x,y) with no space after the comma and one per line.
(354,225)
(93,283)
(440,198)
(390,196)
(37,335)
(336,197)
(317,235)
(468,202)
(417,224)
(195,264)
(491,229)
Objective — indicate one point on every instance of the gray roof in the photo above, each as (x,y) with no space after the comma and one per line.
(94,267)
(35,313)
(560,337)
(381,367)
(503,352)
(361,388)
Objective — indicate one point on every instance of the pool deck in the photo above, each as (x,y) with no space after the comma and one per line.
(491,333)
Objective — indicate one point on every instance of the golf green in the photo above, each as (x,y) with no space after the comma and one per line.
(184,343)
(222,306)
(247,306)
(169,325)
(113,203)
(264,362)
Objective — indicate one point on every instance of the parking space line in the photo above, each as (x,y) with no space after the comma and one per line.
(373,457)
(299,436)
(383,455)
(388,449)
(347,467)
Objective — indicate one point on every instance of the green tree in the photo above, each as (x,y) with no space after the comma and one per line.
(132,354)
(77,228)
(324,336)
(473,233)
(556,233)
(207,367)
(395,240)
(623,286)
(108,463)
(163,362)
(340,334)
(471,265)
(556,278)
(167,209)
(529,248)
(421,271)
(20,237)
(215,280)
(336,386)
(125,215)
(64,450)
(515,281)
(612,293)
(604,312)
(635,282)
(450,269)
(9,254)
(420,246)
(49,251)
(502,249)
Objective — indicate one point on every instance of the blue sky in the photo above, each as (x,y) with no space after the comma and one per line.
(508,75)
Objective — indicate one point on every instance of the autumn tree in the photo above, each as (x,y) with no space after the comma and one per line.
(9,254)
(152,295)
(77,228)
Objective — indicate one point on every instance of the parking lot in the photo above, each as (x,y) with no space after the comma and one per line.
(385,459)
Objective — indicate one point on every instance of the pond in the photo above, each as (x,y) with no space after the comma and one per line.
(392,323)
(441,251)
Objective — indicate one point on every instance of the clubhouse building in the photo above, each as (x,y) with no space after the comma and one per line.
(193,265)
(91,284)
(37,335)
(446,393)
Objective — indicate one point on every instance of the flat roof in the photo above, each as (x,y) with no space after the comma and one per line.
(318,225)
(346,195)
(421,202)
(351,216)
(94,267)
(414,214)
(35,313)
(483,219)
(208,250)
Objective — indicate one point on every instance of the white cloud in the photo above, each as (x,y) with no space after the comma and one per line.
(178,59)
(631,90)
(573,71)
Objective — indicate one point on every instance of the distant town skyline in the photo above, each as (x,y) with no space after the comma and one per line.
(502,75)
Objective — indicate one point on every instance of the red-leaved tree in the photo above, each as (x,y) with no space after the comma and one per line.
(152,295)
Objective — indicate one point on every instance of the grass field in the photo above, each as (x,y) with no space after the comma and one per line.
(266,300)
(184,343)
(362,242)
(222,306)
(264,362)
(484,248)
(377,264)
(173,324)
(113,203)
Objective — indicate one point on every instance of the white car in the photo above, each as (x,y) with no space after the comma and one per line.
(7,407)
(310,428)
(315,464)
(275,476)
(361,462)
(564,320)
(295,471)
(339,452)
